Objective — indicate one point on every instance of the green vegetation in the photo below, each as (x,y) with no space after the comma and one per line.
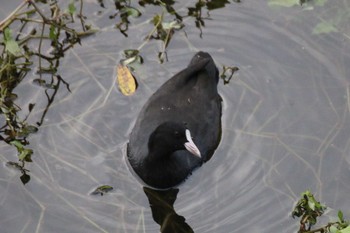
(36,25)
(308,209)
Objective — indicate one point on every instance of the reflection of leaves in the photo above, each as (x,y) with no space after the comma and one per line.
(331,19)
(289,3)
(285,3)
(324,27)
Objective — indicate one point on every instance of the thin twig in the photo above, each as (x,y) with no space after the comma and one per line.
(4,23)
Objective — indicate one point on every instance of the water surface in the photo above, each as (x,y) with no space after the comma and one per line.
(286,126)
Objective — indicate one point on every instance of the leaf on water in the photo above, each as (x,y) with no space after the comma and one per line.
(126,81)
(175,24)
(102,190)
(17,144)
(26,155)
(13,47)
(25,178)
(28,129)
(324,27)
(131,53)
(131,56)
(31,106)
(131,11)
(285,3)
(10,44)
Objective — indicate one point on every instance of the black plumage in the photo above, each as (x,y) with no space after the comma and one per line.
(189,100)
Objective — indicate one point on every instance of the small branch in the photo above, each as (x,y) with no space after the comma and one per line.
(81,15)
(4,23)
(38,10)
(151,33)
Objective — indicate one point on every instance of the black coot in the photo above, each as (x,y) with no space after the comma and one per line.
(179,127)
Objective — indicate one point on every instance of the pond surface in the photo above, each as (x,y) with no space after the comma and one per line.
(286,126)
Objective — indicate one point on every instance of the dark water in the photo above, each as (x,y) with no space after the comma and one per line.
(286,127)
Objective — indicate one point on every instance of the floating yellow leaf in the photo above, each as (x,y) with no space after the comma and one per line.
(126,82)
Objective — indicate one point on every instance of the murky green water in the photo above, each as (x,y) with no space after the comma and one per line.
(286,125)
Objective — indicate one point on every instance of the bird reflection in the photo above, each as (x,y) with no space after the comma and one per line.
(161,203)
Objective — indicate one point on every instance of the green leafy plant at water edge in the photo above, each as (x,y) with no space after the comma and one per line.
(308,209)
(41,25)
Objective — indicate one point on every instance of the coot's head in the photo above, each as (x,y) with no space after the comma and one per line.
(210,67)
(170,137)
(200,56)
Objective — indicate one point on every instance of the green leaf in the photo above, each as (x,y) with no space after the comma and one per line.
(157,19)
(7,34)
(345,230)
(25,155)
(29,129)
(53,33)
(102,190)
(131,53)
(324,27)
(172,25)
(333,229)
(13,47)
(25,178)
(340,216)
(131,11)
(71,8)
(17,144)
(285,3)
